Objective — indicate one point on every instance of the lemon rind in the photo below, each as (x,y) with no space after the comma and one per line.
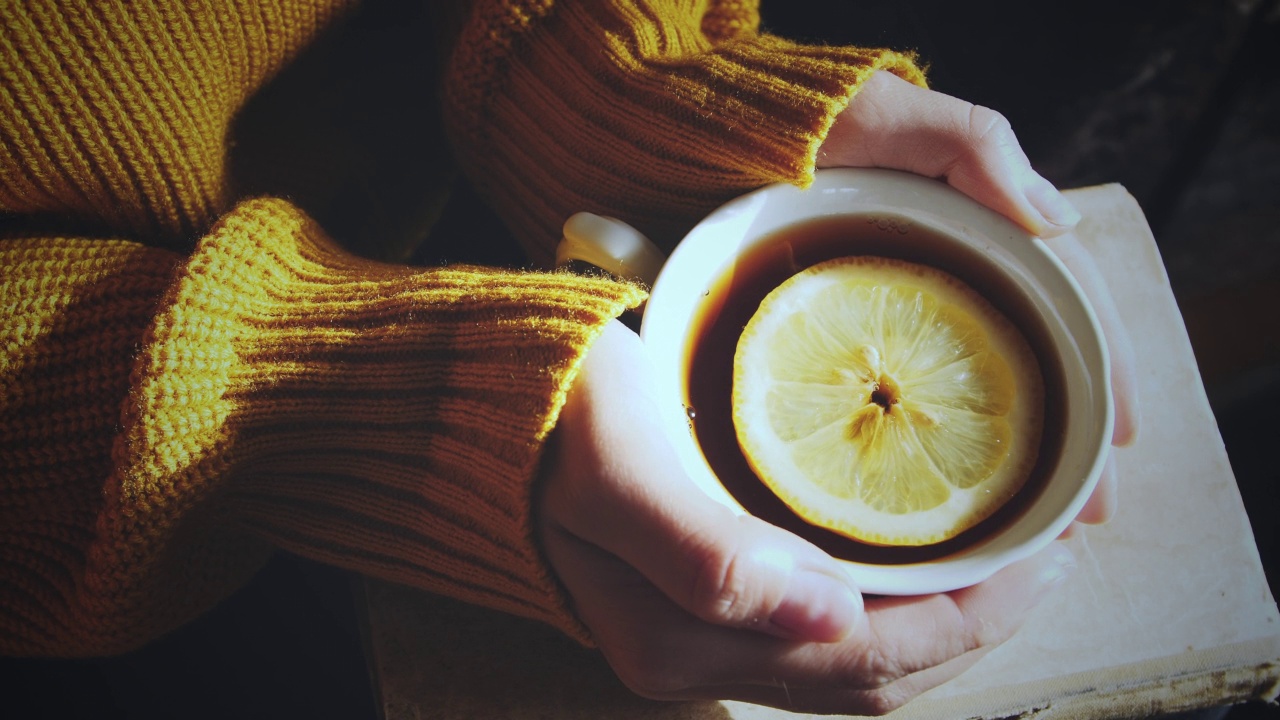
(963,508)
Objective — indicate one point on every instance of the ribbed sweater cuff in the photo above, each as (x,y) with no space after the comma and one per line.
(376,417)
(647,105)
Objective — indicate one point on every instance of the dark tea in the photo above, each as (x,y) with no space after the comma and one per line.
(736,295)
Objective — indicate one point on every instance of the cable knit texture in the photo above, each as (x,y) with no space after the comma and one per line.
(168,419)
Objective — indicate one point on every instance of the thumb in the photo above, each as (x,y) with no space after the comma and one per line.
(726,569)
(743,572)
(619,485)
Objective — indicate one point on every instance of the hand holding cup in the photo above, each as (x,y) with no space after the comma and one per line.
(687,598)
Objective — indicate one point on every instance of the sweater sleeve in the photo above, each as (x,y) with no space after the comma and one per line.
(167,419)
(165,422)
(652,111)
(117,115)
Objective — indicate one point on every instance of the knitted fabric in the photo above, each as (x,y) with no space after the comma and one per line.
(651,111)
(168,419)
(117,113)
(376,417)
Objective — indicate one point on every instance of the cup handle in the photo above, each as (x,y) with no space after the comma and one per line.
(611,245)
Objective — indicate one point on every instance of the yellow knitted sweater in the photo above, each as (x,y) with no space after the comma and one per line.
(191,377)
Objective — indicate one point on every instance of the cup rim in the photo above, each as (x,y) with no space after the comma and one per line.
(893,195)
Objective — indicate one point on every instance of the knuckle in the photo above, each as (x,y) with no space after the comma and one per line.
(977,134)
(973,629)
(878,670)
(980,632)
(647,686)
(987,136)
(657,664)
(883,701)
(648,679)
(720,593)
(987,126)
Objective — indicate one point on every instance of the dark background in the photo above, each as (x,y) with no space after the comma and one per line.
(1174,99)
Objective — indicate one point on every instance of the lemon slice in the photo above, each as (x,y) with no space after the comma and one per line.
(886,401)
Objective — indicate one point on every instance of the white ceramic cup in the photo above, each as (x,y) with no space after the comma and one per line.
(891,197)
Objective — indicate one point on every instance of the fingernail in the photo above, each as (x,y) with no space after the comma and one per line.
(817,608)
(1052,205)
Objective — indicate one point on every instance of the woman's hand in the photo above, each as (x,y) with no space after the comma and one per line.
(687,600)
(892,123)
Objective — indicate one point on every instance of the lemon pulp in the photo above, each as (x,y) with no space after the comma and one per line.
(886,401)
